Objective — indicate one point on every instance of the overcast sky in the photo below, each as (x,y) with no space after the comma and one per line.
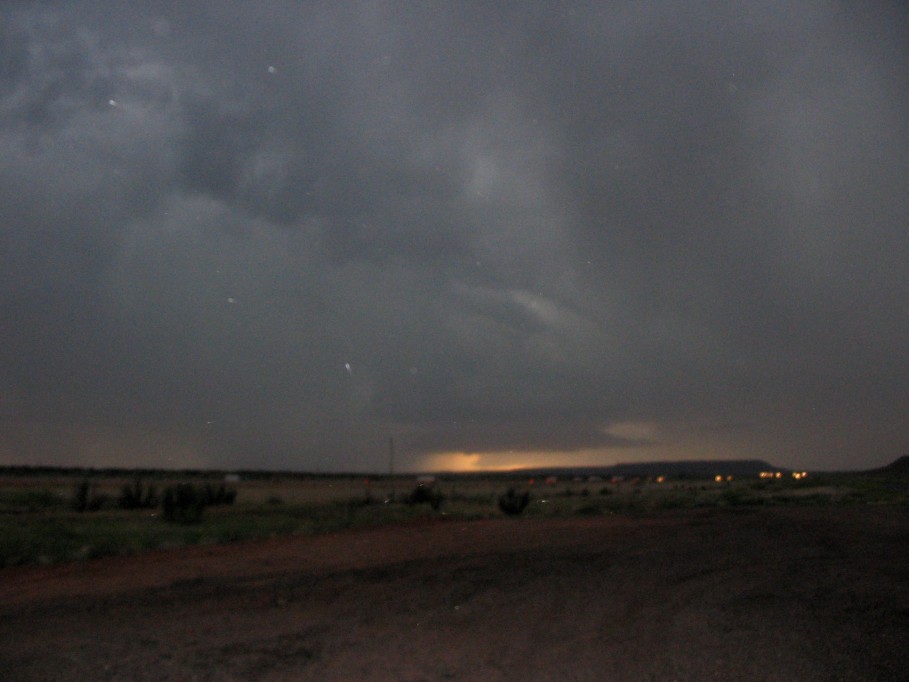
(274,234)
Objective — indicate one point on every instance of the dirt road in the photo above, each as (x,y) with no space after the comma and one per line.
(771,594)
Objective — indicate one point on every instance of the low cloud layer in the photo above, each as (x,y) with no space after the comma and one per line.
(275,235)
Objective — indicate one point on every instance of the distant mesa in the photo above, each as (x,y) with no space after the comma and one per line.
(707,468)
(899,466)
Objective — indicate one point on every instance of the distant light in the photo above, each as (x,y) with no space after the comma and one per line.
(112,102)
(272,69)
(718,478)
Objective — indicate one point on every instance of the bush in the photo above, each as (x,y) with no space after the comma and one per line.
(183,503)
(513,504)
(424,494)
(85,499)
(136,496)
(222,495)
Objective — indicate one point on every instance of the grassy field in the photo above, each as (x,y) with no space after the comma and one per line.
(39,524)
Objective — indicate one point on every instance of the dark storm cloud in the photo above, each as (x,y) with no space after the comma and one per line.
(273,235)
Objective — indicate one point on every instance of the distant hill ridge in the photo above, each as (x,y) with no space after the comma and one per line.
(698,468)
(897,466)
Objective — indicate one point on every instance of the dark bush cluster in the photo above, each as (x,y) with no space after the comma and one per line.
(512,503)
(424,494)
(137,496)
(185,503)
(182,503)
(221,495)
(86,499)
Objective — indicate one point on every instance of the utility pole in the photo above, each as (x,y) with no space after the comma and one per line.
(391,464)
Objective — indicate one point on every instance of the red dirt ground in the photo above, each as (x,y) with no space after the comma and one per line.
(772,594)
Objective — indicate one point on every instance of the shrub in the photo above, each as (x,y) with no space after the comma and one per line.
(222,495)
(136,496)
(513,504)
(182,503)
(424,494)
(85,499)
(80,496)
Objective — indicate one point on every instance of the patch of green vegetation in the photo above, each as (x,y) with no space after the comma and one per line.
(50,538)
(40,525)
(21,501)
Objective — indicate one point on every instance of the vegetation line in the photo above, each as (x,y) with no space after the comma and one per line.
(50,517)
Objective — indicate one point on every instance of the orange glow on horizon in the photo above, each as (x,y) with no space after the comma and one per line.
(507,460)
(461,461)
(464,462)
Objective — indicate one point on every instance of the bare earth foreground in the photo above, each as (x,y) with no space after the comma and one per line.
(766,594)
